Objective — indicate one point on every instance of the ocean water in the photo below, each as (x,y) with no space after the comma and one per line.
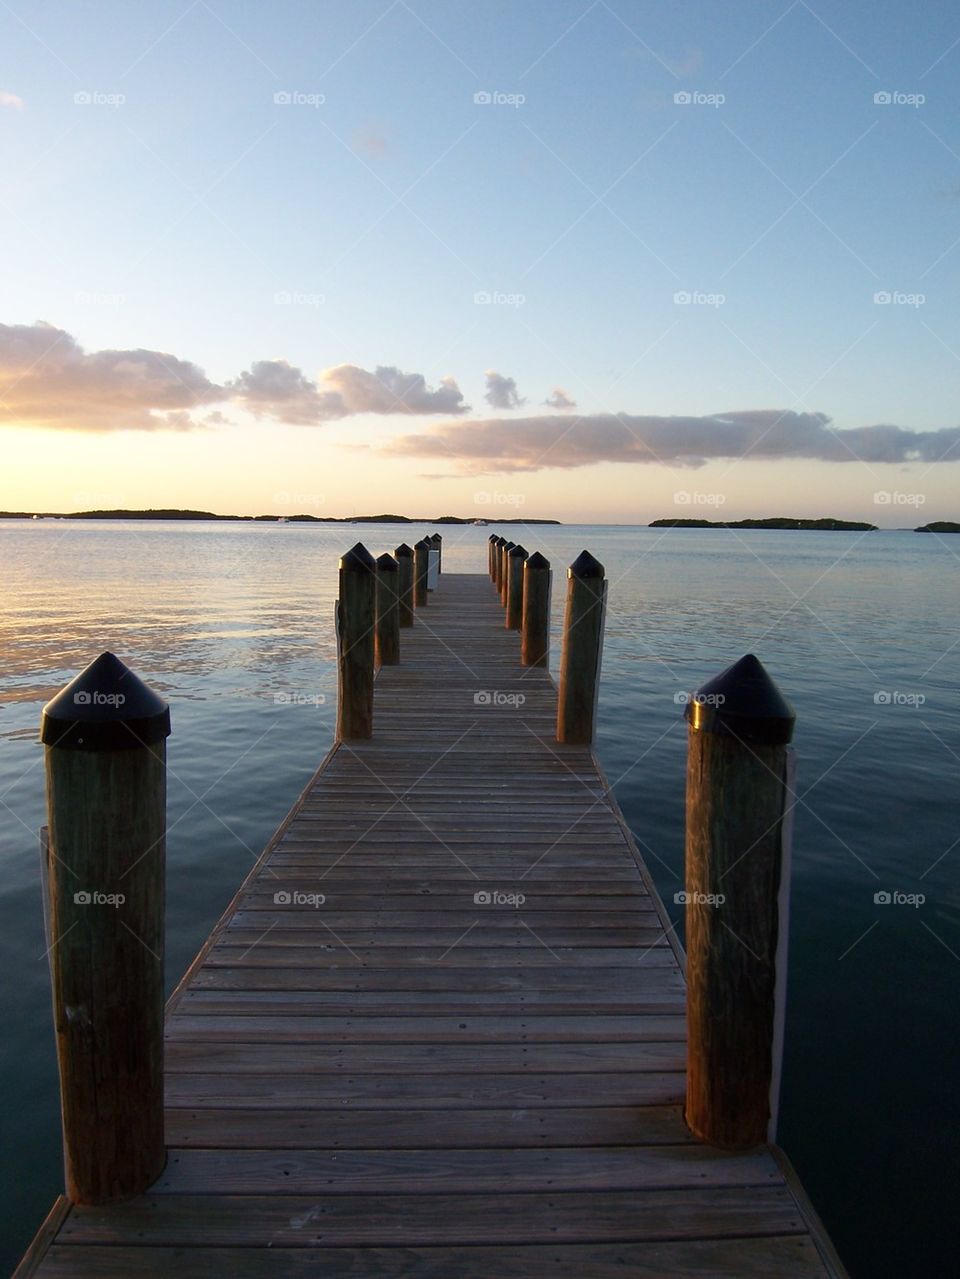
(232,623)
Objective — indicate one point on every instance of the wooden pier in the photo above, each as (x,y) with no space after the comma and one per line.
(440,1030)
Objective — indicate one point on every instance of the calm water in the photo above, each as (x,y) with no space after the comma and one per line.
(233,624)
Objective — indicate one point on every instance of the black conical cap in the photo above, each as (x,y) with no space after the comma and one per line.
(585,566)
(744,702)
(492,537)
(403,550)
(386,561)
(105,708)
(536,560)
(517,552)
(357,560)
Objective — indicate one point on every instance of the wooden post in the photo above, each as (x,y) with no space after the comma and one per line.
(504,582)
(387,638)
(105,737)
(356,614)
(498,546)
(491,544)
(421,563)
(515,562)
(437,540)
(582,651)
(535,611)
(740,727)
(404,555)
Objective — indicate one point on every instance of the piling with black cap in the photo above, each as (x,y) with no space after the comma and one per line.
(437,541)
(582,650)
(491,545)
(737,873)
(105,752)
(421,567)
(498,546)
(387,634)
(356,621)
(503,582)
(404,556)
(515,562)
(535,611)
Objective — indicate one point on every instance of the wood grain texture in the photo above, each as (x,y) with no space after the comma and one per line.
(422,1074)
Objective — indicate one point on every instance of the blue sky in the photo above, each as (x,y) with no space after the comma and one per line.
(183,210)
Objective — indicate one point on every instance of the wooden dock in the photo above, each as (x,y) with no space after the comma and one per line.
(468,1058)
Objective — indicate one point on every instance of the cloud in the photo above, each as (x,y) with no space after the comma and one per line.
(559,399)
(48,380)
(535,443)
(388,390)
(276,389)
(10,100)
(502,391)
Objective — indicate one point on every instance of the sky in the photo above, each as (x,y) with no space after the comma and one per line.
(593,260)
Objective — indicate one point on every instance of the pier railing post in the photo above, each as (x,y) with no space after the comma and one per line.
(357,620)
(437,540)
(105,737)
(497,573)
(421,568)
(504,582)
(737,790)
(404,555)
(491,546)
(535,611)
(515,563)
(387,638)
(582,650)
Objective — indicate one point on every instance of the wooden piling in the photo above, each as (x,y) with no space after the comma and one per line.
(740,727)
(105,737)
(404,557)
(582,650)
(437,540)
(491,543)
(535,611)
(387,634)
(498,546)
(421,566)
(356,613)
(504,580)
(515,562)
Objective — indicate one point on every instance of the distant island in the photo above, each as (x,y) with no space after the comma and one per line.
(168,513)
(779,521)
(939,526)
